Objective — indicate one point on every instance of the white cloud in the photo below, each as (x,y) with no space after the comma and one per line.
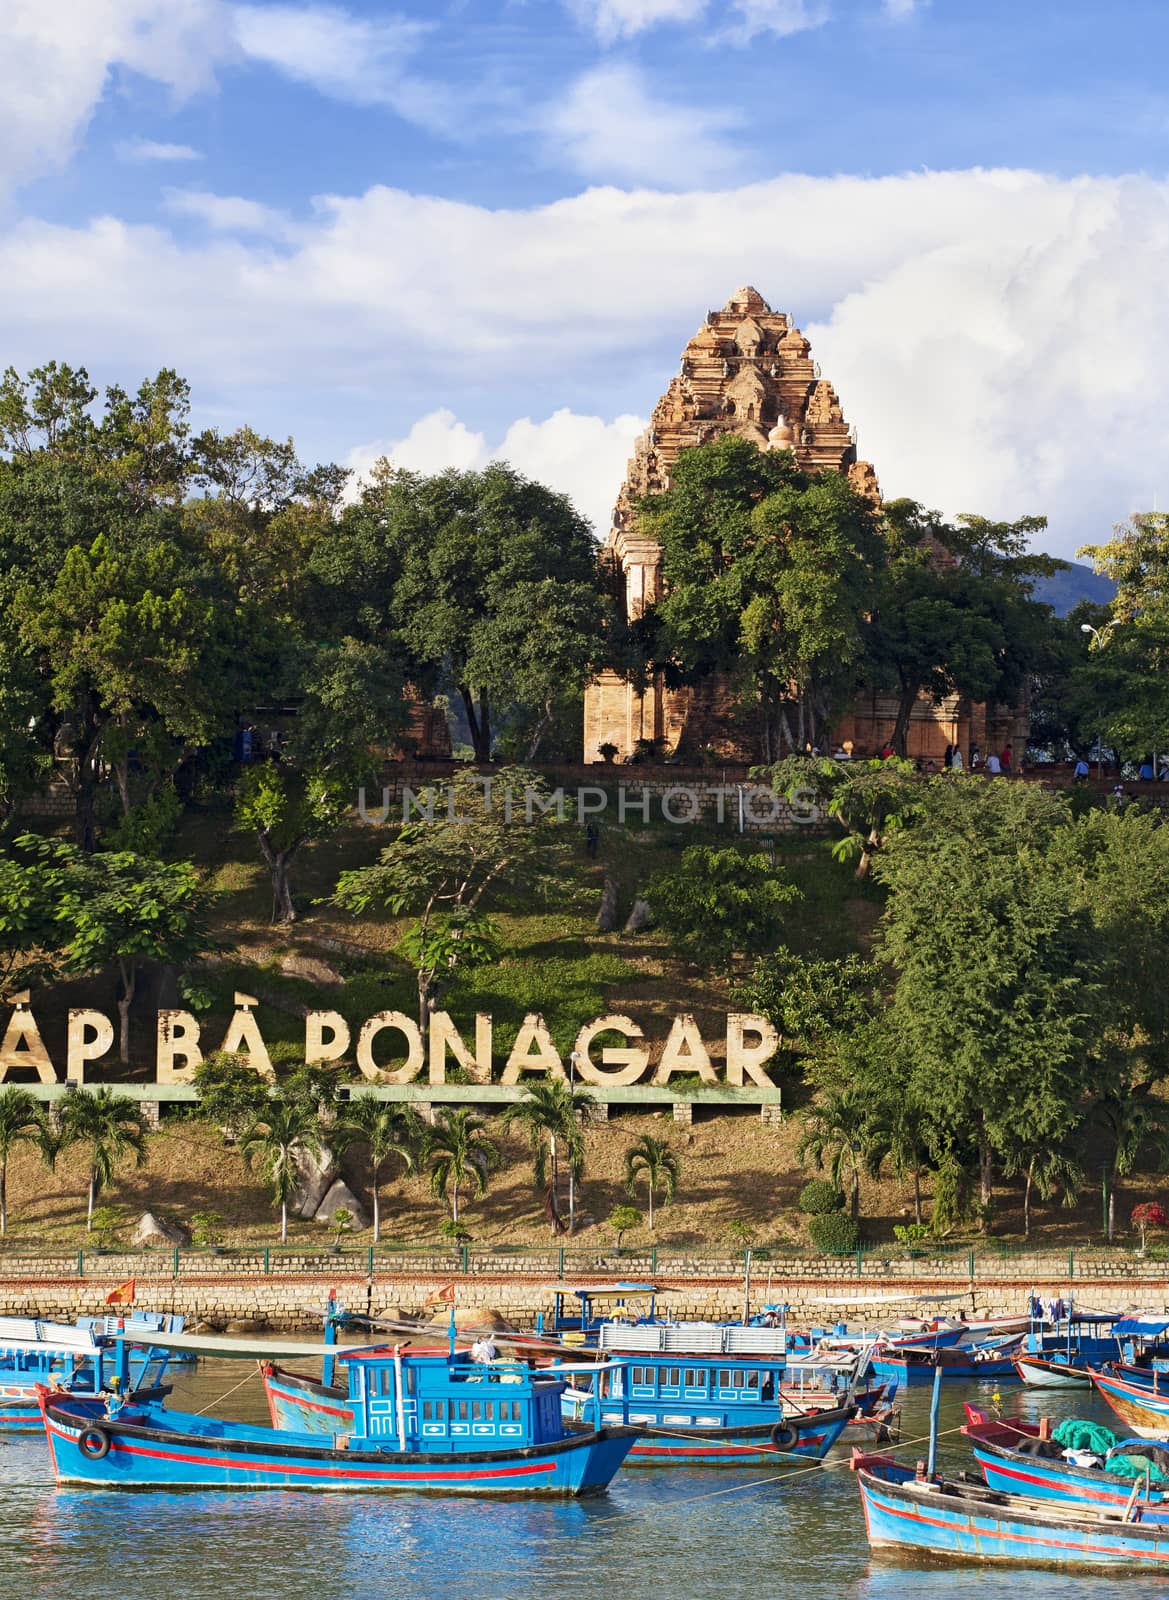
(610,126)
(357,59)
(616,19)
(611,20)
(227,213)
(583,457)
(900,10)
(144,150)
(56,61)
(1001,340)
(778,17)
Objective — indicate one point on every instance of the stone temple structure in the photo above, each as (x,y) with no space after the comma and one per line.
(748,370)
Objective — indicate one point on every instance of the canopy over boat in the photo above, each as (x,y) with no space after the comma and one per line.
(1141,1325)
(598,1291)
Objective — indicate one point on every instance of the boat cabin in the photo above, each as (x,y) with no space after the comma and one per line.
(689,1391)
(33,1351)
(451,1403)
(579,1310)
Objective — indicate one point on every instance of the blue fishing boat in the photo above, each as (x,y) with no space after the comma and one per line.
(69,1360)
(1025,1461)
(580,1310)
(993,1360)
(434,1423)
(912,1510)
(710,1411)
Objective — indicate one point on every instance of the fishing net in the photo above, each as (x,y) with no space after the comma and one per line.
(1076,1435)
(1135,1458)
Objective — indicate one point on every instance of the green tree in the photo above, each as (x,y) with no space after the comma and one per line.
(652,1161)
(21,1122)
(30,934)
(288,1128)
(1046,1169)
(134,647)
(388,1131)
(232,1094)
(869,800)
(459,1152)
(623,1220)
(993,1005)
(123,909)
(481,847)
(837,1130)
(497,586)
(721,903)
(109,1126)
(769,576)
(955,612)
(550,1114)
(1126,669)
(285,807)
(1137,1129)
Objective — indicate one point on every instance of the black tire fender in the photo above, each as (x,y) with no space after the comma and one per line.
(783,1436)
(94,1443)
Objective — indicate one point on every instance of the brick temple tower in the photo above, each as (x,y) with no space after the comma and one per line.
(748,370)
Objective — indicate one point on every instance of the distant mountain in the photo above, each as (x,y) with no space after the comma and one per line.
(1066,589)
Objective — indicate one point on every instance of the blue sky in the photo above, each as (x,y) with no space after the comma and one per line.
(458,229)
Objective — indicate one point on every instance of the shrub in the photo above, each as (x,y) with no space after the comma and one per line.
(834,1234)
(911,1233)
(819,1198)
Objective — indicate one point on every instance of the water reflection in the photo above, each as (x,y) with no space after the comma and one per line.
(657,1533)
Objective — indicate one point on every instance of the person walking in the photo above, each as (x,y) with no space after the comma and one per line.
(1005,760)
(956,762)
(993,765)
(949,755)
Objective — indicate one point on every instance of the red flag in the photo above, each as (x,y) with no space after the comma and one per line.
(123,1295)
(447,1293)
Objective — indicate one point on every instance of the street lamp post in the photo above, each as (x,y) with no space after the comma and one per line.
(1098,644)
(573,1063)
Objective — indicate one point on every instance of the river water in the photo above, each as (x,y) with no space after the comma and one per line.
(659,1534)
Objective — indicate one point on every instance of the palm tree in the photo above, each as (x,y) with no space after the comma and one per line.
(288,1126)
(21,1119)
(838,1129)
(1135,1126)
(1045,1168)
(896,1134)
(110,1125)
(386,1128)
(653,1160)
(458,1151)
(548,1113)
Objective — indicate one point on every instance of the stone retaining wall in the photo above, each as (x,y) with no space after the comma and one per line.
(239,1290)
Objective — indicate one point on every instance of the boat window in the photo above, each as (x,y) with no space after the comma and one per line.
(638,1375)
(726,1378)
(464,1409)
(477,1411)
(428,1411)
(675,1377)
(751,1380)
(409,1380)
(695,1377)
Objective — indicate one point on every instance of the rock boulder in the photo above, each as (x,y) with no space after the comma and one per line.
(341,1195)
(315,1176)
(152,1232)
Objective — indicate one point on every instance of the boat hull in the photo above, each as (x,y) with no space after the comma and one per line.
(948,1523)
(1139,1408)
(1014,1472)
(757,1445)
(915,1374)
(158,1449)
(1037,1374)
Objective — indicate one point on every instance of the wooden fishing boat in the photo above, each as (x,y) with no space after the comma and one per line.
(938,1518)
(1144,1409)
(904,1367)
(70,1360)
(1058,1372)
(433,1423)
(1028,1464)
(711,1411)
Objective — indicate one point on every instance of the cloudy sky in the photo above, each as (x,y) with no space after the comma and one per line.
(453,229)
